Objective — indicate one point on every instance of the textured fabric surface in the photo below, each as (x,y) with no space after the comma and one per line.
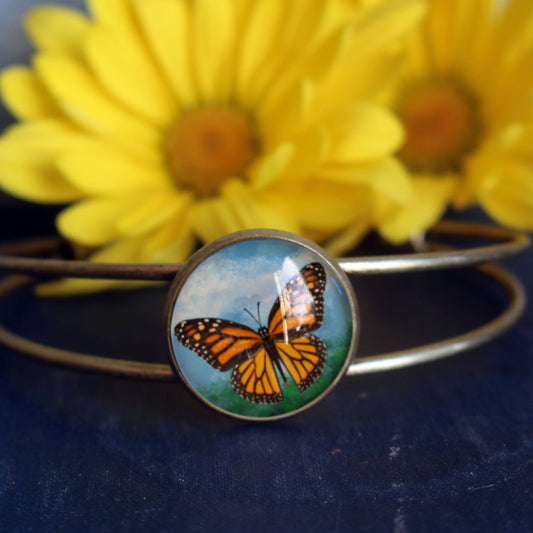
(443,447)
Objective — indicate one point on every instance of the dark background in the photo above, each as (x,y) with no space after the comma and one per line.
(442,447)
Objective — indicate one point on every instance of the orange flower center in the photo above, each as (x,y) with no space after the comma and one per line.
(209,145)
(442,126)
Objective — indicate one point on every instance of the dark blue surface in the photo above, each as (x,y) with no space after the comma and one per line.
(444,447)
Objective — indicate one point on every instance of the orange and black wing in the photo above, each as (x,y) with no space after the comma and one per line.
(304,357)
(299,308)
(222,343)
(255,379)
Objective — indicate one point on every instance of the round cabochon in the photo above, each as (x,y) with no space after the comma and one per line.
(262,324)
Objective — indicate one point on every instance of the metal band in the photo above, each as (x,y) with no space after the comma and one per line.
(92,363)
(378,363)
(513,244)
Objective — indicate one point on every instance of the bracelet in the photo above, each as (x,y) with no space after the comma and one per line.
(262,324)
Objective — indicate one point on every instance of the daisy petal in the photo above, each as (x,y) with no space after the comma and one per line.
(211,46)
(515,29)
(269,168)
(268,37)
(387,176)
(261,35)
(37,184)
(479,171)
(211,219)
(93,222)
(310,22)
(240,208)
(371,72)
(172,242)
(72,287)
(254,210)
(516,81)
(384,24)
(155,211)
(506,208)
(240,200)
(99,169)
(309,154)
(349,237)
(282,117)
(80,97)
(316,204)
(419,52)
(27,161)
(39,141)
(57,29)
(328,56)
(519,139)
(477,64)
(114,14)
(441,23)
(362,132)
(270,214)
(166,26)
(509,197)
(129,77)
(430,198)
(369,80)
(316,67)
(25,95)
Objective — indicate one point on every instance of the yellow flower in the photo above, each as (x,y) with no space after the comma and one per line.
(466,103)
(170,122)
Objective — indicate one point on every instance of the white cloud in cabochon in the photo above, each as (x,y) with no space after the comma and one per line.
(223,286)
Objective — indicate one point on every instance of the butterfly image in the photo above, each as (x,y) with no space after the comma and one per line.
(258,356)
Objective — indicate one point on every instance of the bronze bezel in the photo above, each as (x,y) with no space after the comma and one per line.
(257,234)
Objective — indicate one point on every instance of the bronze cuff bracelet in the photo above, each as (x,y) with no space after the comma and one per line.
(249,366)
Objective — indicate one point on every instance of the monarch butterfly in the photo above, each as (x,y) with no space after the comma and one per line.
(285,343)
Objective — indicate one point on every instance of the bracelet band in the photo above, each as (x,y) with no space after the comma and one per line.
(514,243)
(363,365)
(272,353)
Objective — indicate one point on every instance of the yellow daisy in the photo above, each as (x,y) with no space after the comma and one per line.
(466,103)
(168,122)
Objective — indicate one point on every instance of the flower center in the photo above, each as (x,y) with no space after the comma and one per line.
(442,125)
(209,145)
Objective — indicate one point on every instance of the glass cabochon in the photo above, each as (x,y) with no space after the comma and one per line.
(260,366)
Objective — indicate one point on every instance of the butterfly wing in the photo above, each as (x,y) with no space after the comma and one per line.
(299,308)
(222,343)
(304,357)
(255,379)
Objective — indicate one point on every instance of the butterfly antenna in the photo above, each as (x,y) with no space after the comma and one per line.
(259,312)
(255,319)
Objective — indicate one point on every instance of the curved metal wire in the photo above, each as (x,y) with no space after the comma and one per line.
(453,345)
(513,244)
(81,361)
(378,363)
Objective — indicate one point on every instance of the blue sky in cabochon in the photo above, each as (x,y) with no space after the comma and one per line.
(239,276)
